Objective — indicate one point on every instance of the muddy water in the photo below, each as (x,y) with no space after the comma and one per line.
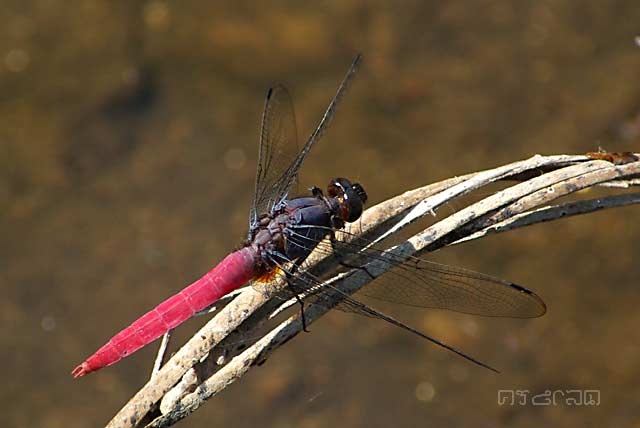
(128,137)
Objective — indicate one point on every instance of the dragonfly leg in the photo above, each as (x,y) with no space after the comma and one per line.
(294,269)
(336,253)
(289,273)
(301,303)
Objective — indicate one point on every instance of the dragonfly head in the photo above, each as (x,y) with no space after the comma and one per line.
(350,198)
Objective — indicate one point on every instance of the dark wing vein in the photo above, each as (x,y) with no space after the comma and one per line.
(422,283)
(278,165)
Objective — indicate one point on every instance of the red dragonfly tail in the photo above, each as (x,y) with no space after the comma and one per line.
(233,272)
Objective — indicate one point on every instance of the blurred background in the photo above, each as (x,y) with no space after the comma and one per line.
(128,145)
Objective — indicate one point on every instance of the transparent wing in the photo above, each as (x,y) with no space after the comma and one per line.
(277,167)
(422,283)
(278,148)
(320,294)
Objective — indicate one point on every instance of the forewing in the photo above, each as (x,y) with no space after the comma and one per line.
(278,149)
(292,172)
(278,164)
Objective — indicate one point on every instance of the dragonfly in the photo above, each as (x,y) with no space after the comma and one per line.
(284,231)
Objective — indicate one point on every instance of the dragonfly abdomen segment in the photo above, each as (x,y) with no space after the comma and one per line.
(232,272)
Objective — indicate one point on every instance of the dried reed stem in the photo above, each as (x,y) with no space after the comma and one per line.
(189,377)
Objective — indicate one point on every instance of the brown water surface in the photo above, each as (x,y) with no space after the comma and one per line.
(128,140)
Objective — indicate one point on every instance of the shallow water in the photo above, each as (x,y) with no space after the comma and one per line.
(128,137)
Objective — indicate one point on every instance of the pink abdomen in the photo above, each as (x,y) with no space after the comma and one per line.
(232,272)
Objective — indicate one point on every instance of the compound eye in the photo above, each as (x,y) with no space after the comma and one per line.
(336,188)
(350,198)
(355,204)
(359,190)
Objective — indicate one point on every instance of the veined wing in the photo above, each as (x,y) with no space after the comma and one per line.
(423,283)
(321,293)
(277,168)
(278,148)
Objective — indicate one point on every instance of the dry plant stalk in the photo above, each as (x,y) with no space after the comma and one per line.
(190,377)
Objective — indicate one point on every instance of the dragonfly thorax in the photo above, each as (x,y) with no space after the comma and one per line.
(295,227)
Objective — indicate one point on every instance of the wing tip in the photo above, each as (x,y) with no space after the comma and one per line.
(542,306)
